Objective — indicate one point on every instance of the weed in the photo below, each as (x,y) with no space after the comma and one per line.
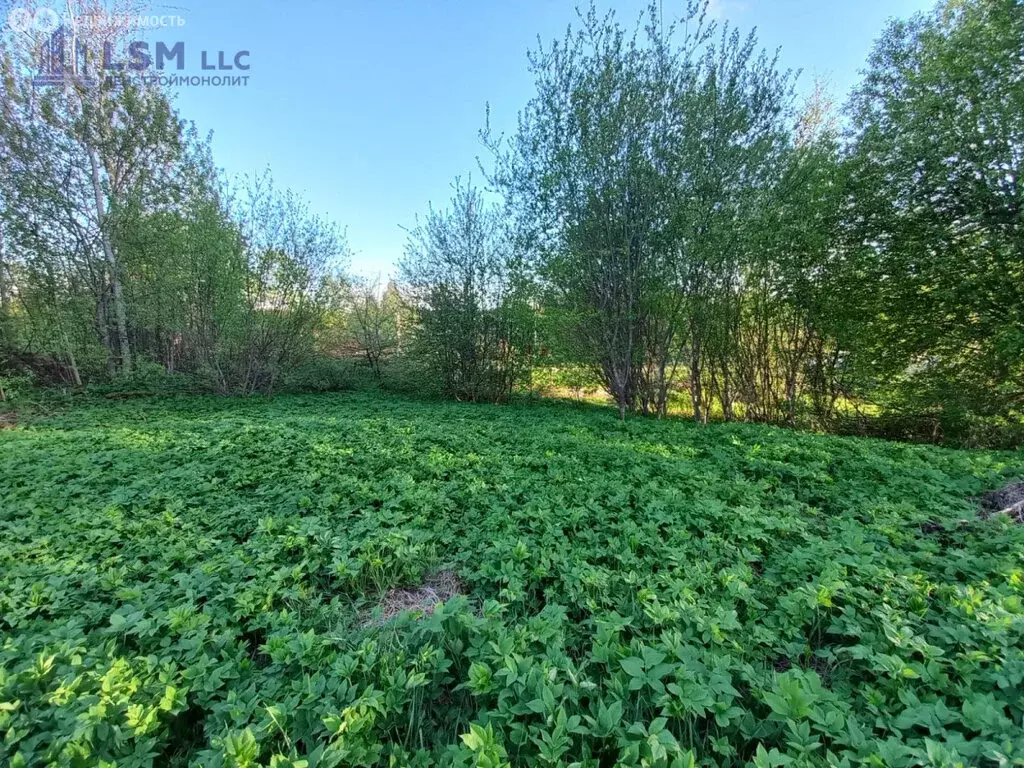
(187,582)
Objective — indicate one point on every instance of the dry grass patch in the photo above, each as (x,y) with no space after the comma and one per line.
(1007,500)
(437,588)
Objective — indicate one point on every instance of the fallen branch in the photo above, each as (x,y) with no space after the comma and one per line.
(1015,511)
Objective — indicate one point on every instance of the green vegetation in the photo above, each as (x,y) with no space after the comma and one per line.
(668,220)
(209,582)
(195,581)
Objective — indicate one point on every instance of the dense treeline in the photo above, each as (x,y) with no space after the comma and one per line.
(669,220)
(700,239)
(122,252)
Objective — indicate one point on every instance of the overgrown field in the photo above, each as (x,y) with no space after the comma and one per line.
(204,582)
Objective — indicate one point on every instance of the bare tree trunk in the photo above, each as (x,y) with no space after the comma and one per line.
(72,364)
(103,322)
(6,279)
(662,394)
(696,386)
(74,368)
(120,316)
(5,299)
(791,398)
(727,409)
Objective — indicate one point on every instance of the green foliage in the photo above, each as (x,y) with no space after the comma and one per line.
(695,230)
(17,387)
(185,582)
(411,376)
(576,380)
(474,322)
(147,257)
(320,374)
(153,378)
(371,322)
(936,224)
(671,206)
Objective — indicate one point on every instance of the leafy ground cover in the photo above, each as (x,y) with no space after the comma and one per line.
(199,582)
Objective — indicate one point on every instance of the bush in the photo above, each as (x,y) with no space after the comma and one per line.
(215,582)
(956,430)
(153,378)
(410,376)
(578,380)
(320,374)
(16,387)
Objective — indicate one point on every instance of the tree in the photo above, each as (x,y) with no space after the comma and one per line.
(120,245)
(289,256)
(467,288)
(375,321)
(76,155)
(632,173)
(938,142)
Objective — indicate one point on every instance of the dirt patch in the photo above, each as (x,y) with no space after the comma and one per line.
(437,588)
(8,419)
(1009,500)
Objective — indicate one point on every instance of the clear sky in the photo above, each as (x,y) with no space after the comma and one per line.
(370,108)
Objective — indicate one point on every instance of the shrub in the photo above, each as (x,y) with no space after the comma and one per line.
(16,387)
(320,374)
(152,378)
(200,582)
(576,380)
(410,376)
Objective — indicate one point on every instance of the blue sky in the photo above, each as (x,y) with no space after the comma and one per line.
(370,108)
